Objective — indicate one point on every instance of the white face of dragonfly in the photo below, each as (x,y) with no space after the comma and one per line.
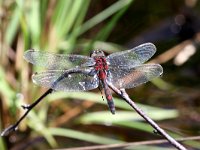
(97,53)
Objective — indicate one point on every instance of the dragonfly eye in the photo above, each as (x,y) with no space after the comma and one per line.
(96,53)
(92,53)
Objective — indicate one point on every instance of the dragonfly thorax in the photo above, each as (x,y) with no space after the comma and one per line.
(101,65)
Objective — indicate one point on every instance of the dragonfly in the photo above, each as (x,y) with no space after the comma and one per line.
(124,70)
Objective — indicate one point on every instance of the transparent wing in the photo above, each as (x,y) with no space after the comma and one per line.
(132,57)
(56,61)
(74,82)
(132,77)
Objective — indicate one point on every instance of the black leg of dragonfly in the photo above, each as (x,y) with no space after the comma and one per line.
(100,89)
(28,108)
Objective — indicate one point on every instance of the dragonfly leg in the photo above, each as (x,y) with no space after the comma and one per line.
(100,89)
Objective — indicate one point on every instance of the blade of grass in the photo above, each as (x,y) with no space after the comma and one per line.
(43,11)
(72,15)
(143,126)
(161,84)
(95,98)
(105,117)
(194,144)
(2,146)
(5,89)
(43,113)
(13,25)
(25,32)
(104,15)
(61,11)
(76,29)
(83,136)
(105,32)
(66,14)
(33,21)
(38,125)
(149,147)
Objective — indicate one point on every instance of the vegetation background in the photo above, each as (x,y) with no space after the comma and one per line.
(66,120)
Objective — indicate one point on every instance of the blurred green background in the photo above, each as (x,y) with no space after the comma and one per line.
(65,120)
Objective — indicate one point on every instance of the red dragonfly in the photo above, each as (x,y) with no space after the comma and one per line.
(68,73)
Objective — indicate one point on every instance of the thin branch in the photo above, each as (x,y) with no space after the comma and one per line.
(122,93)
(28,108)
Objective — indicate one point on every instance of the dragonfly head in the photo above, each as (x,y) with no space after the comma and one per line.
(97,53)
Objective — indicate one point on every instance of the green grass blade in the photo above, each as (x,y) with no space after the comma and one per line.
(143,126)
(83,136)
(149,147)
(2,146)
(105,117)
(105,32)
(104,15)
(96,98)
(161,84)
(66,14)
(13,25)
(72,15)
(61,11)
(25,32)
(40,127)
(5,89)
(72,39)
(33,22)
(43,11)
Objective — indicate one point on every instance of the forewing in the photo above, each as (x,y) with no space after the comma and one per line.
(56,61)
(132,57)
(132,77)
(73,82)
